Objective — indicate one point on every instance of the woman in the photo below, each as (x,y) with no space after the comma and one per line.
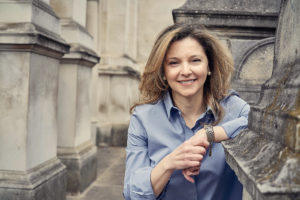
(185,110)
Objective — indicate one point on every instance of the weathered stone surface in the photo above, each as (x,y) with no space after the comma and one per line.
(253,69)
(266,156)
(36,12)
(119,88)
(81,166)
(111,169)
(71,9)
(38,183)
(240,19)
(30,49)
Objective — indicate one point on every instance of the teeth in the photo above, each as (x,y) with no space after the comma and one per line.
(190,81)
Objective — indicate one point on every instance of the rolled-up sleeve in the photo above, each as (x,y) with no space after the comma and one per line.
(238,121)
(137,182)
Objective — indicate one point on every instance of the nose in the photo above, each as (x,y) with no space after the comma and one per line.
(186,69)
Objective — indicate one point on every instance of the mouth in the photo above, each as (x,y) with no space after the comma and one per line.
(187,81)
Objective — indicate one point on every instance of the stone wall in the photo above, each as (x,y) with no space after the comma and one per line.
(266,155)
(30,51)
(46,59)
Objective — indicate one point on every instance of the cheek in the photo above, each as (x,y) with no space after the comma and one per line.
(170,74)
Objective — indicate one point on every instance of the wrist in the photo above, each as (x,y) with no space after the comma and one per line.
(202,132)
(167,164)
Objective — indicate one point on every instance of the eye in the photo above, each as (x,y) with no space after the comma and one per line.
(196,60)
(173,63)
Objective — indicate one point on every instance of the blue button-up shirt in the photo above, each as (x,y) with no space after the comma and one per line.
(155,130)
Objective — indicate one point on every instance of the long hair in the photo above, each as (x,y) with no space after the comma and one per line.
(153,87)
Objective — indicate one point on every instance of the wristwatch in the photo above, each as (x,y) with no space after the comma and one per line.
(210,136)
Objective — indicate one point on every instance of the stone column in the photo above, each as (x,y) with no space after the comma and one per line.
(266,156)
(92,21)
(75,147)
(118,75)
(92,25)
(30,50)
(241,25)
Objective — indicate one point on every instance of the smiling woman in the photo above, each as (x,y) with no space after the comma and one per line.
(186,108)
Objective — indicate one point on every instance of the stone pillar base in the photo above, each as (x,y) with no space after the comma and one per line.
(112,135)
(36,184)
(81,163)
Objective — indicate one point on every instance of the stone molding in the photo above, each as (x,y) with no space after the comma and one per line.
(256,46)
(35,184)
(75,33)
(233,25)
(29,15)
(33,177)
(80,55)
(119,71)
(81,163)
(250,89)
(74,152)
(32,38)
(224,18)
(232,22)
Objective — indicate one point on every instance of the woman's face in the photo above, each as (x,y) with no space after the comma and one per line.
(186,68)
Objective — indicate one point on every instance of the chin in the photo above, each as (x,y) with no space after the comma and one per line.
(188,94)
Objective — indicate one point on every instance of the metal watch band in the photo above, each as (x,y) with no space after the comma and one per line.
(210,136)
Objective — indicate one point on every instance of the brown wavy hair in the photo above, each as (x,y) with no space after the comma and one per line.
(153,87)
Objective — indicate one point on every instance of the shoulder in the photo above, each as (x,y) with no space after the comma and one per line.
(144,116)
(148,109)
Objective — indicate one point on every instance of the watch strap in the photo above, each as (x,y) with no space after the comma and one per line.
(210,136)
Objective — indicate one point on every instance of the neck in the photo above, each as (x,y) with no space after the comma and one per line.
(190,107)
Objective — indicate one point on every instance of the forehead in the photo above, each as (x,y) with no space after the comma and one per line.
(184,47)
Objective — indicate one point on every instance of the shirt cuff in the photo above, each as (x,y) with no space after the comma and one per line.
(141,187)
(234,127)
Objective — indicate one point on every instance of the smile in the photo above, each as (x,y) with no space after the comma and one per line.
(187,81)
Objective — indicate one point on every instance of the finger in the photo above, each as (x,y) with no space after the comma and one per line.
(190,163)
(203,143)
(199,139)
(199,150)
(193,169)
(188,178)
(194,150)
(194,157)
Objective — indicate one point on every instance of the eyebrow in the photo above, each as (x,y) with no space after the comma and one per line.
(192,56)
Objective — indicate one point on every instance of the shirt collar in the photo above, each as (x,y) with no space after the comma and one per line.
(170,108)
(169,104)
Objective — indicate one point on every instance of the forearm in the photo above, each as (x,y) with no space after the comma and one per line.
(220,134)
(160,176)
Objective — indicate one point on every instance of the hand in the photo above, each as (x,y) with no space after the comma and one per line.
(187,155)
(199,138)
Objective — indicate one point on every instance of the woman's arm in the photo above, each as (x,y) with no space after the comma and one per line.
(222,132)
